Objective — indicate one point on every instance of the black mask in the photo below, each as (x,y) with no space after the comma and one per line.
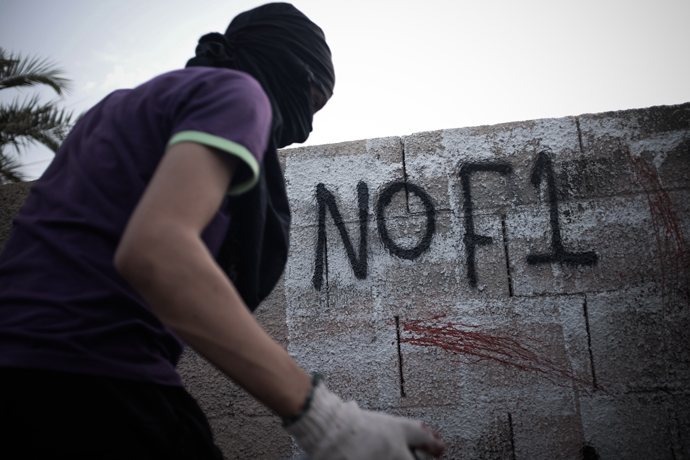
(285,52)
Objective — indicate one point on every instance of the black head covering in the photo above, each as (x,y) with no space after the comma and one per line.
(285,52)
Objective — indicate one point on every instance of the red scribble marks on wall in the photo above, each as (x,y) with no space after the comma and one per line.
(670,241)
(473,345)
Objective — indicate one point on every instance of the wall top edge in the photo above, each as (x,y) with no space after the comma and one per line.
(681,111)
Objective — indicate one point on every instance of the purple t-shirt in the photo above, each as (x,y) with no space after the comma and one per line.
(63,306)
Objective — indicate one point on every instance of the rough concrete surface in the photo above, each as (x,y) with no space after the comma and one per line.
(12,196)
(558,260)
(522,288)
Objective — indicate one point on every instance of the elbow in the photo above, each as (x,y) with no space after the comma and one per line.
(148,259)
(134,261)
(150,264)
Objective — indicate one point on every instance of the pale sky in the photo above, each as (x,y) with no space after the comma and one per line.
(401,66)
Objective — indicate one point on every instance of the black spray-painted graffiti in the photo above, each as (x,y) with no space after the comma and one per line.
(543,167)
(543,170)
(471,239)
(385,200)
(325,198)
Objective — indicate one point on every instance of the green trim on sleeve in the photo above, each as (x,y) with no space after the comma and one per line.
(225,145)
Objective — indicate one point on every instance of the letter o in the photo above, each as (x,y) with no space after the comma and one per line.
(384,200)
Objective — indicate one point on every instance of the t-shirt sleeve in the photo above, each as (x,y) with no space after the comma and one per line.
(230,112)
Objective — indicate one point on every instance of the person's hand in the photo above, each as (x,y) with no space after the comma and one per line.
(331,429)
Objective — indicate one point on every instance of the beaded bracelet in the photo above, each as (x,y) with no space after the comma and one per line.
(315,379)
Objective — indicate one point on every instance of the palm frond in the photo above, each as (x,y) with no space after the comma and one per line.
(17,71)
(22,123)
(9,170)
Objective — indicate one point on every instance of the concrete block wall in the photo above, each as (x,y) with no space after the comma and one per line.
(523,288)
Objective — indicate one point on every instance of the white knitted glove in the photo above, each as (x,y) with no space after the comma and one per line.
(331,429)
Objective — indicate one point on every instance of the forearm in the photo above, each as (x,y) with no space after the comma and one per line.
(191,294)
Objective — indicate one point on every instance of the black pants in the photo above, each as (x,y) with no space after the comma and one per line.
(51,415)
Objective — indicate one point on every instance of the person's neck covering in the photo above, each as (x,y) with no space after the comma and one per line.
(285,52)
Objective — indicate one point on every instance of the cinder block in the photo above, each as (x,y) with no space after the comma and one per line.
(522,349)
(302,299)
(339,289)
(670,221)
(490,191)
(595,174)
(225,436)
(632,426)
(260,438)
(214,392)
(440,275)
(680,421)
(234,415)
(660,136)
(340,168)
(677,329)
(217,395)
(263,438)
(357,355)
(424,282)
(552,436)
(637,346)
(271,314)
(617,230)
(673,164)
(497,441)
(349,294)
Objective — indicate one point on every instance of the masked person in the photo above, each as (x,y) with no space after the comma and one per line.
(163,219)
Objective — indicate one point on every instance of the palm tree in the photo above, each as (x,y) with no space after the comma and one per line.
(29,121)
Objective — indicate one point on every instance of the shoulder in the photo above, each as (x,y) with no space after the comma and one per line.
(220,108)
(213,82)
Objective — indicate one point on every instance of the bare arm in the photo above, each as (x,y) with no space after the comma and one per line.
(162,256)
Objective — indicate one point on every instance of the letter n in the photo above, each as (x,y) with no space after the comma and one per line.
(325,199)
